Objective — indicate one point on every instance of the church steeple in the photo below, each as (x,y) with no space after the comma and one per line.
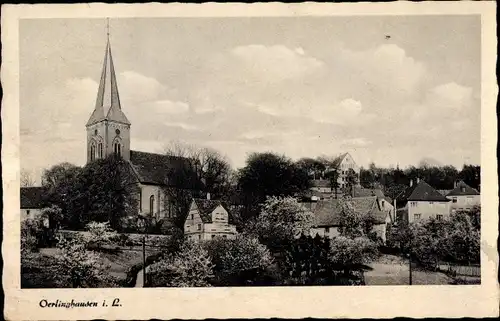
(107,106)
(108,129)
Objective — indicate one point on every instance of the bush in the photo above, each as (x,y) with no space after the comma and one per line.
(191,266)
(238,261)
(29,241)
(99,234)
(351,254)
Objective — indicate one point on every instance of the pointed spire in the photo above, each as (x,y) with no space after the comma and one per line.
(108,101)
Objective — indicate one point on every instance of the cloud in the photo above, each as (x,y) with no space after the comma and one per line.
(275,63)
(355,142)
(451,96)
(167,106)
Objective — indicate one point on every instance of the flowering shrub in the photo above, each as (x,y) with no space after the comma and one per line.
(28,236)
(99,234)
(349,253)
(81,267)
(233,256)
(191,266)
(281,220)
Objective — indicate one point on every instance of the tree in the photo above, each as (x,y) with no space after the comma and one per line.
(82,268)
(99,234)
(333,179)
(105,191)
(233,257)
(27,179)
(191,266)
(281,220)
(311,166)
(268,174)
(349,254)
(350,224)
(471,175)
(351,180)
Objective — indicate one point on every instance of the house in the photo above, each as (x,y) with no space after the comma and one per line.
(109,132)
(328,213)
(208,219)
(463,197)
(342,164)
(420,201)
(32,203)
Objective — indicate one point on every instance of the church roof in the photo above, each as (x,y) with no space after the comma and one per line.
(107,106)
(158,169)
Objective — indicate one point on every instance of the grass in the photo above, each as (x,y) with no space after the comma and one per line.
(390,270)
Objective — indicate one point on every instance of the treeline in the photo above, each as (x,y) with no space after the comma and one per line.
(394,180)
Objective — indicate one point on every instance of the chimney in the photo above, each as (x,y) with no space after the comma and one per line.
(456,184)
(208,196)
(411,182)
(418,180)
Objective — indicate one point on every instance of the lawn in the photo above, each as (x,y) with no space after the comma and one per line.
(37,268)
(391,270)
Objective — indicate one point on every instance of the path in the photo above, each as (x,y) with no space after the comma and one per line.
(139,282)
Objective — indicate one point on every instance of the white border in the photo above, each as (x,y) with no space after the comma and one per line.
(284,302)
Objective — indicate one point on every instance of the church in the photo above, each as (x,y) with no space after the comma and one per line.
(108,132)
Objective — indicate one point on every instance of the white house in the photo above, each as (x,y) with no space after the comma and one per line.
(32,203)
(208,219)
(421,201)
(328,213)
(463,197)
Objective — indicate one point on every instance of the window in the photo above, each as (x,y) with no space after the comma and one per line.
(92,152)
(454,200)
(192,216)
(27,212)
(100,150)
(199,227)
(430,203)
(439,217)
(140,199)
(213,236)
(224,236)
(151,204)
(417,216)
(327,230)
(199,236)
(118,149)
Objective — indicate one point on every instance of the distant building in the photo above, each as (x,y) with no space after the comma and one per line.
(420,201)
(463,197)
(342,164)
(328,213)
(32,202)
(208,219)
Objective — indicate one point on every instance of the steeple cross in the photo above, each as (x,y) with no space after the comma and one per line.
(107,26)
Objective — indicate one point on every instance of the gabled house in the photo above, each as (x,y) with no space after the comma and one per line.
(463,197)
(328,214)
(32,203)
(208,219)
(420,201)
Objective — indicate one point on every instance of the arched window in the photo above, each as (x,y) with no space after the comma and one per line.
(118,149)
(92,152)
(151,204)
(100,150)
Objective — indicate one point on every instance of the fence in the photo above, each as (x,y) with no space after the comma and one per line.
(473,270)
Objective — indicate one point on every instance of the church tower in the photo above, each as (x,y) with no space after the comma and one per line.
(108,129)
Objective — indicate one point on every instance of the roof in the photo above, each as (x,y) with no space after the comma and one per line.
(421,192)
(328,212)
(32,197)
(462,189)
(107,106)
(206,207)
(158,169)
(444,191)
(338,160)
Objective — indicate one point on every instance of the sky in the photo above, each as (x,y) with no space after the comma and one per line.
(299,86)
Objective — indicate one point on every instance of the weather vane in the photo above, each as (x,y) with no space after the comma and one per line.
(107,26)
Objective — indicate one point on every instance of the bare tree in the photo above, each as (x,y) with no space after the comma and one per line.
(27,179)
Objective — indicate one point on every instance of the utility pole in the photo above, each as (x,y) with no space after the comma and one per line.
(409,261)
(144,260)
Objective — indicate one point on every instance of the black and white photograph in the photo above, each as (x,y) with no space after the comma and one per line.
(251,151)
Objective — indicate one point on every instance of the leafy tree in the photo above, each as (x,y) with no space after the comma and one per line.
(191,266)
(281,220)
(349,254)
(471,175)
(29,241)
(333,179)
(232,257)
(268,174)
(313,167)
(106,191)
(350,224)
(351,181)
(81,267)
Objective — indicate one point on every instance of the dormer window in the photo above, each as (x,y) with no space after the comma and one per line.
(462,189)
